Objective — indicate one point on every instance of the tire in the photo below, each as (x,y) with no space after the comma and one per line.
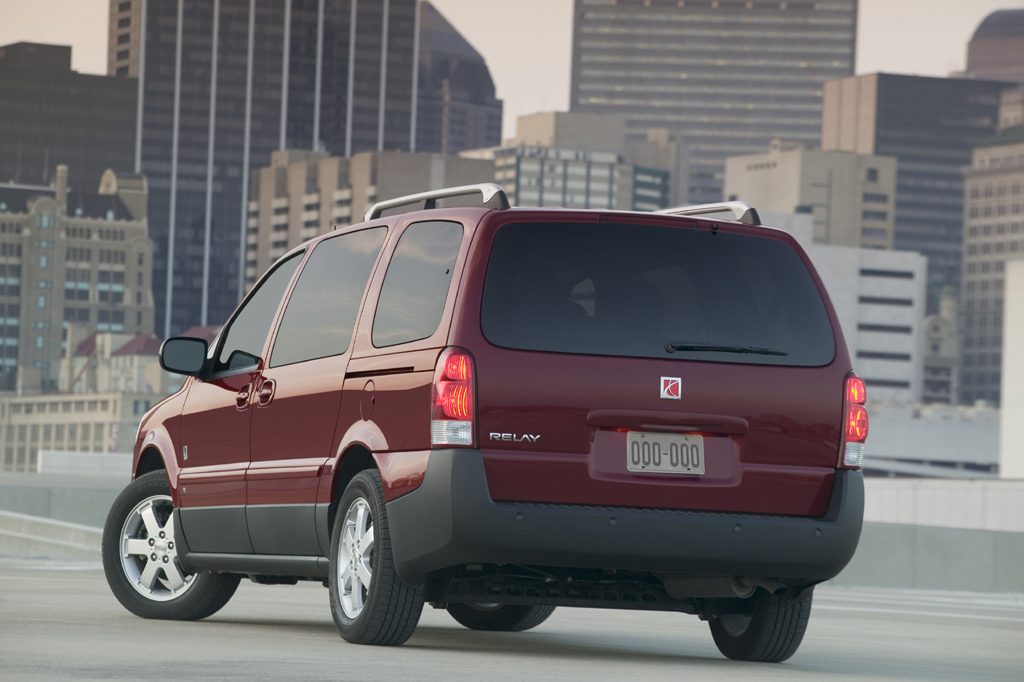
(496,618)
(387,611)
(140,559)
(770,632)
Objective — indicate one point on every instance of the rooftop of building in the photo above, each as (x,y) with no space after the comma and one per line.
(1014,135)
(36,56)
(1004,23)
(16,198)
(138,344)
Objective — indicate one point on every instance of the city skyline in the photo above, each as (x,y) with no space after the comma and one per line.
(538,79)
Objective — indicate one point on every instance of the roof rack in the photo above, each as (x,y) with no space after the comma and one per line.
(491,196)
(742,211)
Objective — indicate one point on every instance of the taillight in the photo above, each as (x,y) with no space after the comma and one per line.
(453,404)
(855,422)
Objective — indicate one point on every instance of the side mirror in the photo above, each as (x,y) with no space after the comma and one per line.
(183,355)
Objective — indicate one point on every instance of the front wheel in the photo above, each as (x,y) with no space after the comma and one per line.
(369,602)
(499,618)
(770,629)
(140,557)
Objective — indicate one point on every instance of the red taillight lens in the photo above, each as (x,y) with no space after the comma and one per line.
(455,399)
(457,367)
(856,391)
(453,406)
(856,424)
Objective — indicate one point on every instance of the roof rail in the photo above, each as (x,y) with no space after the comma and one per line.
(491,196)
(742,211)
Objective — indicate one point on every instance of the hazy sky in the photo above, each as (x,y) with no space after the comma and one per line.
(528,43)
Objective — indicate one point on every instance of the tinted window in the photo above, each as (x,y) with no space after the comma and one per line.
(416,285)
(248,332)
(322,309)
(630,290)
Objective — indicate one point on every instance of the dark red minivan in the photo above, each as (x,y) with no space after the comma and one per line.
(503,410)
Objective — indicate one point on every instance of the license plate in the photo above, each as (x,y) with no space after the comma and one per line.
(664,453)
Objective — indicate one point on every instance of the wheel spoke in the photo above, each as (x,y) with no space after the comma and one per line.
(169,527)
(174,577)
(357,596)
(360,520)
(136,547)
(363,571)
(366,543)
(149,518)
(149,573)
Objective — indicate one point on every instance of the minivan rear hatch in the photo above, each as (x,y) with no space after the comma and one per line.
(654,362)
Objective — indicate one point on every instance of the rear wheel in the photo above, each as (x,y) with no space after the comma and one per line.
(140,558)
(369,602)
(499,618)
(769,630)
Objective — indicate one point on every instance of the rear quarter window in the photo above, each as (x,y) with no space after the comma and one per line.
(415,287)
(638,290)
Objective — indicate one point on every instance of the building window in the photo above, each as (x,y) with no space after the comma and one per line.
(871,175)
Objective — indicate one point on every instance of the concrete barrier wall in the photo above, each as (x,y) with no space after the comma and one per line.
(922,557)
(30,537)
(889,555)
(74,499)
(961,503)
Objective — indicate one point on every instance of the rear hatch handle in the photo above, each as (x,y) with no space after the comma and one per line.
(666,420)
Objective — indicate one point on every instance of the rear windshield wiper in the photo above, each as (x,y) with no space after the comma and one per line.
(673,346)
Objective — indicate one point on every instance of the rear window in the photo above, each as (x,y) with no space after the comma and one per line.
(649,291)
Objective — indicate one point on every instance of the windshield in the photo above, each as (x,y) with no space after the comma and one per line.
(653,291)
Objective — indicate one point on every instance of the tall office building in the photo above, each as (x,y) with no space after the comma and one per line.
(303,194)
(993,236)
(222,83)
(456,108)
(930,126)
(581,160)
(51,115)
(729,75)
(69,258)
(849,196)
(996,50)
(878,296)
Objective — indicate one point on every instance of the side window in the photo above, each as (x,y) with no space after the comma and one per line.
(322,309)
(244,339)
(415,288)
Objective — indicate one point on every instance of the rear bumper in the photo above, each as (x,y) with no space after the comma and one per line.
(451,520)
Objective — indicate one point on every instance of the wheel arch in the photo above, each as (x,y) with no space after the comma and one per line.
(149,460)
(355,458)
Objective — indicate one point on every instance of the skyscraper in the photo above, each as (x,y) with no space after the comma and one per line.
(457,108)
(51,115)
(996,50)
(993,236)
(930,126)
(69,259)
(729,75)
(221,84)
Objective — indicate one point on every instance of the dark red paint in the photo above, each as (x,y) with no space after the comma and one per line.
(772,434)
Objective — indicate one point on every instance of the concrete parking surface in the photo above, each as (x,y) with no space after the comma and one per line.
(60,621)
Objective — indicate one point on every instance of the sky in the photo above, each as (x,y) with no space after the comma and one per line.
(528,43)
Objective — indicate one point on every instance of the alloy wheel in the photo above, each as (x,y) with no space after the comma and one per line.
(355,558)
(149,554)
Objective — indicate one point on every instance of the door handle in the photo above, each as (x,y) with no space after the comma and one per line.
(242,398)
(266,393)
